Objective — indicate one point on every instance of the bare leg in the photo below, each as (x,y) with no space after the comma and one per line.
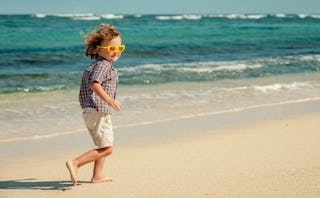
(90,156)
(98,168)
(97,172)
(73,169)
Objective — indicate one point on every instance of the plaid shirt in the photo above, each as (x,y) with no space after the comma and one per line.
(106,75)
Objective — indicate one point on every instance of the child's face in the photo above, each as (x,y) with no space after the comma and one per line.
(105,53)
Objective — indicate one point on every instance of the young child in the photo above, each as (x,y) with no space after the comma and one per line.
(97,98)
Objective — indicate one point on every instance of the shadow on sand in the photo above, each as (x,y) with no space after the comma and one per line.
(33,184)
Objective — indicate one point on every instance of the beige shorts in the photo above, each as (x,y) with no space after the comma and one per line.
(100,127)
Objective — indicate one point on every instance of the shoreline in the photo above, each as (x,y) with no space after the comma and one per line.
(191,116)
(37,116)
(153,133)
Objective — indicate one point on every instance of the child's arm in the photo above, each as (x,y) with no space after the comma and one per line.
(115,104)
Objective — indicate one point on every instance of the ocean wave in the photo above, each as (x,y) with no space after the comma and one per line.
(246,16)
(201,16)
(219,70)
(280,15)
(41,79)
(316,16)
(111,16)
(261,16)
(179,17)
(40,15)
(309,58)
(84,16)
(195,71)
(34,89)
(87,18)
(92,16)
(281,87)
(14,82)
(231,66)
(26,58)
(41,137)
(76,16)
(238,16)
(276,87)
(73,15)
(303,16)
(196,67)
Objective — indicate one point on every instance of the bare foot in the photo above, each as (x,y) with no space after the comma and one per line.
(103,179)
(73,171)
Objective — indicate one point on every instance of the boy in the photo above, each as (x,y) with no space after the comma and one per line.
(97,98)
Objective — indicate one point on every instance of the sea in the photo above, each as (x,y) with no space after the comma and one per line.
(174,67)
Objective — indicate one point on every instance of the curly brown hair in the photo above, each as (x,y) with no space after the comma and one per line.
(102,32)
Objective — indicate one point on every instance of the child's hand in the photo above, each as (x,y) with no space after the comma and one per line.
(116,105)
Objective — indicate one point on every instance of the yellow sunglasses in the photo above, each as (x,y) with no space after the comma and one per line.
(112,48)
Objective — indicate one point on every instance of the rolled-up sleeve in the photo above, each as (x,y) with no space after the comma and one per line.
(99,74)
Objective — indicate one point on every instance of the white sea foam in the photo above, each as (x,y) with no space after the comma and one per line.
(40,137)
(310,58)
(179,17)
(111,16)
(40,15)
(236,66)
(237,16)
(74,15)
(315,16)
(227,67)
(260,16)
(302,16)
(283,87)
(87,18)
(256,16)
(145,68)
(40,88)
(192,17)
(215,15)
(280,15)
(246,16)
(197,67)
(79,16)
(276,87)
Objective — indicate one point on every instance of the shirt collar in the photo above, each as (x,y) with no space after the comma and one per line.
(101,58)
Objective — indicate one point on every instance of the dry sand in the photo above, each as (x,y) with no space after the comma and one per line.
(270,158)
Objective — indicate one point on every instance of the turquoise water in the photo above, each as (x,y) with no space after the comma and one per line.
(174,66)
(44,52)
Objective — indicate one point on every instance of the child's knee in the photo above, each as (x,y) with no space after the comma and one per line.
(106,151)
(109,150)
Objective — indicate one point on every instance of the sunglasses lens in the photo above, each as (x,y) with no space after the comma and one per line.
(111,48)
(121,48)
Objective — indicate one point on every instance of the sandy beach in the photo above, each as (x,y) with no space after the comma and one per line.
(275,155)
(212,105)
